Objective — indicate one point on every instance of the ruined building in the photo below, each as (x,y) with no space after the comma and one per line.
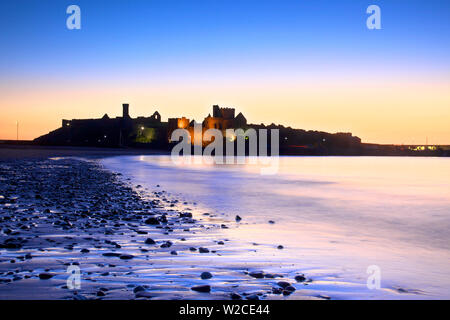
(106,131)
(222,119)
(152,132)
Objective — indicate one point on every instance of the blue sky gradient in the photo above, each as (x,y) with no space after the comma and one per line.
(141,43)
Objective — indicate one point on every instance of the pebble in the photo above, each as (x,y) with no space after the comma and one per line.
(206,275)
(126,256)
(283,284)
(235,296)
(152,221)
(256,274)
(300,278)
(138,289)
(46,276)
(203,288)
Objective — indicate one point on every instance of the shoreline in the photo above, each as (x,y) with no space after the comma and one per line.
(18,152)
(129,243)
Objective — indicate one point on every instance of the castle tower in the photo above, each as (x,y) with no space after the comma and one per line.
(216,111)
(126,108)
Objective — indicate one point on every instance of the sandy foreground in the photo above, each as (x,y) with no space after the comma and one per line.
(62,216)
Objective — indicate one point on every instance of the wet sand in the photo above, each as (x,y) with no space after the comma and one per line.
(129,242)
(18,152)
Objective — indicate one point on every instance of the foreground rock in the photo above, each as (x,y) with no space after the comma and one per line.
(66,213)
(204,288)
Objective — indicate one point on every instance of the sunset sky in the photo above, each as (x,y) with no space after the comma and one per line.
(306,64)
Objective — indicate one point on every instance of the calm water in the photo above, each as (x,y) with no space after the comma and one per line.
(335,216)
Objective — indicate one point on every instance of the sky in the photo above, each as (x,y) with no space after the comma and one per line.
(312,65)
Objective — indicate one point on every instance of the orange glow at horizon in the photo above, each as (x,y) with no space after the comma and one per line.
(406,113)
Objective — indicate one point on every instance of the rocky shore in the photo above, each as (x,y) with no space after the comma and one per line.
(60,216)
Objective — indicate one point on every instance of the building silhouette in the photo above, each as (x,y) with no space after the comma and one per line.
(151,132)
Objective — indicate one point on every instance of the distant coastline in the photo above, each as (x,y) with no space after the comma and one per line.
(151,134)
(29,149)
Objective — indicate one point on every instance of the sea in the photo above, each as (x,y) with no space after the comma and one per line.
(357,227)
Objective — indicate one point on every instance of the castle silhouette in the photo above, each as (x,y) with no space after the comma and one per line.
(126,131)
(151,132)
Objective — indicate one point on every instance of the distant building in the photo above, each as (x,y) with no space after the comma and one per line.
(222,119)
(106,131)
(152,132)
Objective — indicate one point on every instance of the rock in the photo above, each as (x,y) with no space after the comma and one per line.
(100,294)
(290,288)
(203,288)
(185,215)
(144,294)
(280,247)
(238,218)
(163,218)
(220,243)
(235,296)
(84,250)
(300,278)
(256,274)
(138,289)
(46,276)
(271,221)
(206,275)
(283,284)
(174,253)
(126,256)
(152,221)
(286,292)
(111,254)
(203,250)
(150,241)
(252,297)
(166,244)
(277,290)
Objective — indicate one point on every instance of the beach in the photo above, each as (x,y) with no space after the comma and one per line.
(59,214)
(137,226)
